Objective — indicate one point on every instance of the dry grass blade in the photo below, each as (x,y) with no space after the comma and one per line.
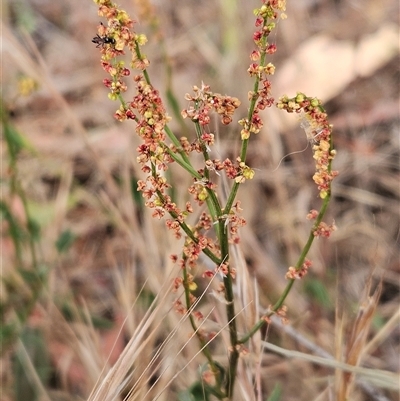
(223,328)
(379,378)
(383,334)
(172,360)
(31,372)
(109,387)
(358,338)
(373,392)
(113,383)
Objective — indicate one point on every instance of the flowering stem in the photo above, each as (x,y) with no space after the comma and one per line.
(230,308)
(140,57)
(212,201)
(203,345)
(161,147)
(235,186)
(298,265)
(189,232)
(245,142)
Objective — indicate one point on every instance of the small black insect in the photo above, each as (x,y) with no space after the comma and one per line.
(101,41)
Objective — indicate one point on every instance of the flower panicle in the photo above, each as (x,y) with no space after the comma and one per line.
(112,39)
(203,101)
(314,121)
(260,97)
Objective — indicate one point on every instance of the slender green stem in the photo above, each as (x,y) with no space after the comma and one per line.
(212,200)
(230,308)
(182,163)
(177,144)
(203,345)
(235,186)
(298,265)
(140,57)
(122,101)
(189,232)
(245,142)
(203,147)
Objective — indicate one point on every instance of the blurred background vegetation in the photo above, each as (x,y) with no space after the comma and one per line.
(78,248)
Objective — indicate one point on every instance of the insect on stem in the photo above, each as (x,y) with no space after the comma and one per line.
(102,41)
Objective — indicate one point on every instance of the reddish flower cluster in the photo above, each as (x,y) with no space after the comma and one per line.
(234,222)
(224,269)
(193,249)
(177,282)
(192,286)
(204,101)
(294,273)
(282,312)
(238,171)
(153,190)
(254,126)
(319,131)
(199,191)
(151,122)
(324,230)
(266,15)
(112,40)
(312,214)
(179,308)
(323,175)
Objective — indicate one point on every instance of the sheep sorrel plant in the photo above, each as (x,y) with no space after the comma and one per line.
(212,231)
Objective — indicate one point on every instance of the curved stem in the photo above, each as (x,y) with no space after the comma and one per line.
(298,265)
(203,345)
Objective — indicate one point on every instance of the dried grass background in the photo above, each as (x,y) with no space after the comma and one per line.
(81,174)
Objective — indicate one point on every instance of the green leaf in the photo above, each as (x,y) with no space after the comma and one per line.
(276,393)
(101,322)
(34,229)
(64,241)
(34,278)
(316,289)
(8,335)
(196,392)
(16,141)
(15,230)
(35,345)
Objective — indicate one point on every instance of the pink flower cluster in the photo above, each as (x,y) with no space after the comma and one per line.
(261,98)
(298,273)
(203,101)
(319,130)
